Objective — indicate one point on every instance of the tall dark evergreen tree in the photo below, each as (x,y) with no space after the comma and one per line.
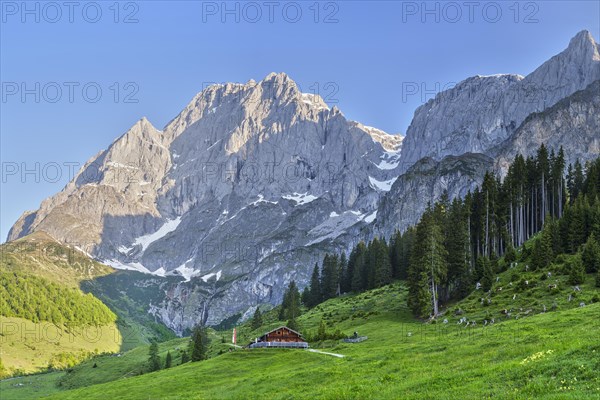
(168,360)
(257,320)
(590,255)
(153,358)
(315,295)
(329,277)
(199,344)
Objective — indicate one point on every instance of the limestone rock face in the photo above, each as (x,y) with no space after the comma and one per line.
(483,122)
(483,111)
(240,193)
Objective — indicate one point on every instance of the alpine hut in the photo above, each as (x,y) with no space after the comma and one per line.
(282,337)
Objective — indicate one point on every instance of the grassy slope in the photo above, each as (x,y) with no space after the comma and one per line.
(41,255)
(553,355)
(27,346)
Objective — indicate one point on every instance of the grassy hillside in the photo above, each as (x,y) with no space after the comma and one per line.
(41,295)
(27,346)
(554,355)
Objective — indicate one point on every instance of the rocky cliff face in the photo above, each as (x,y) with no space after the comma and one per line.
(243,191)
(573,123)
(481,112)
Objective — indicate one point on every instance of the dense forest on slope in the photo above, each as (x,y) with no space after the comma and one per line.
(37,299)
(457,245)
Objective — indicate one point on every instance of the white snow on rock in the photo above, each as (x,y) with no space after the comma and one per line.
(167,228)
(135,266)
(261,199)
(371,217)
(300,198)
(206,277)
(383,186)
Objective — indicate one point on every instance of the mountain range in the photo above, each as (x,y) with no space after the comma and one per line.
(251,184)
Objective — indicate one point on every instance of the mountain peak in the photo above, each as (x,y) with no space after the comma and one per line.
(584,44)
(583,36)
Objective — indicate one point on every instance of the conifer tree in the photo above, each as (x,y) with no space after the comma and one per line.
(257,320)
(168,360)
(590,255)
(359,275)
(542,254)
(199,344)
(184,357)
(153,359)
(576,271)
(329,277)
(315,297)
(487,280)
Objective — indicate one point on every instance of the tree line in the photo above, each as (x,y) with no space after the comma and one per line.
(457,243)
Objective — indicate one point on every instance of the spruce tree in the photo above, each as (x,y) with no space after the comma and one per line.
(315,297)
(383,266)
(428,259)
(590,255)
(542,254)
(257,320)
(184,357)
(290,307)
(293,324)
(153,359)
(359,273)
(576,271)
(168,360)
(329,277)
(487,280)
(305,296)
(342,274)
(199,344)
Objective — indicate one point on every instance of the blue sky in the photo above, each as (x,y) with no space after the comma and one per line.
(150,58)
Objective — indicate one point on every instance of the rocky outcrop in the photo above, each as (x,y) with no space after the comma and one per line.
(424,183)
(573,124)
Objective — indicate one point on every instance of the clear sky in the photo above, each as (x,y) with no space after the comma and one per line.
(149,58)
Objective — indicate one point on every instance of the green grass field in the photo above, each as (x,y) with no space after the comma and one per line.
(553,355)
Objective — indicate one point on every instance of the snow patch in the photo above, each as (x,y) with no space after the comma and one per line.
(371,217)
(206,277)
(187,272)
(135,266)
(261,199)
(167,228)
(383,186)
(333,214)
(300,198)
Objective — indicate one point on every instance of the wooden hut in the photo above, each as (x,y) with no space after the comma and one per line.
(282,337)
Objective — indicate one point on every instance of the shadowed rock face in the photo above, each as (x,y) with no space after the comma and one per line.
(252,183)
